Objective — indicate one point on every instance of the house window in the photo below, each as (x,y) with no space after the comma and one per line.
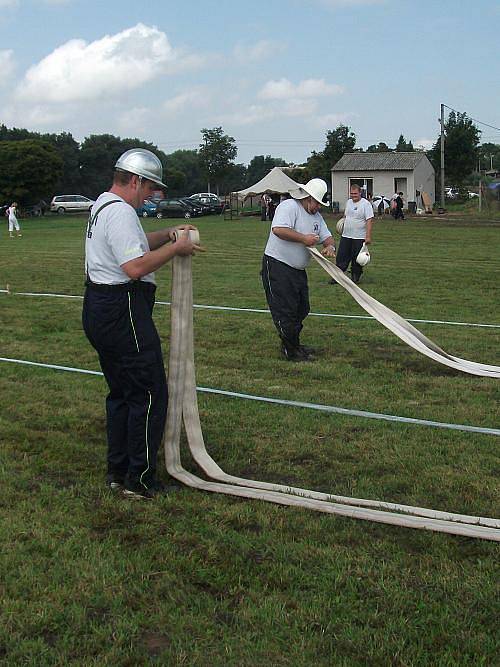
(366,185)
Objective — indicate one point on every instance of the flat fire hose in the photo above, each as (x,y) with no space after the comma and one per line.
(399,326)
(183,407)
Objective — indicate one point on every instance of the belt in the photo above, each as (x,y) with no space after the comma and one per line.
(133,285)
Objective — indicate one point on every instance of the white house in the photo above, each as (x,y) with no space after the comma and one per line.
(383,174)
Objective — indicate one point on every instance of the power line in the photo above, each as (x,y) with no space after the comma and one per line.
(474,119)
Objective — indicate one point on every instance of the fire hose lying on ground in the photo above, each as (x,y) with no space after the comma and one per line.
(183,407)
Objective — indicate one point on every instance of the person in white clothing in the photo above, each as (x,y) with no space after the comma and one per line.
(357,231)
(13,222)
(120,261)
(297,225)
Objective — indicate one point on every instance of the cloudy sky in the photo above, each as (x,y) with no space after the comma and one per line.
(276,74)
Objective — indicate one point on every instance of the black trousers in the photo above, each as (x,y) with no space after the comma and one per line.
(119,325)
(347,252)
(287,296)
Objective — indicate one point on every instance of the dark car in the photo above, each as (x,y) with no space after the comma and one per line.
(176,208)
(148,209)
(215,205)
(203,209)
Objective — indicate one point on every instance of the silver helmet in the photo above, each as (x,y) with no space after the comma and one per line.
(143,163)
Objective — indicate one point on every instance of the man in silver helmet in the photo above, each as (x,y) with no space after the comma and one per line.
(120,260)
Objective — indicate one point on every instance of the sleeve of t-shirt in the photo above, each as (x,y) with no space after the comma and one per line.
(368,210)
(285,215)
(123,234)
(324,232)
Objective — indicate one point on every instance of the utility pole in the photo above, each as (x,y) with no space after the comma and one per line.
(442,155)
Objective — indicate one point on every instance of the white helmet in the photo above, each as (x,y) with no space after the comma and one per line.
(340,225)
(363,256)
(143,163)
(315,188)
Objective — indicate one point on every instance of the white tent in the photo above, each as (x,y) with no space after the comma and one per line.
(275,182)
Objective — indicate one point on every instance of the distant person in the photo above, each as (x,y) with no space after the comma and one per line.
(271,208)
(264,206)
(120,260)
(13,222)
(297,225)
(357,231)
(399,215)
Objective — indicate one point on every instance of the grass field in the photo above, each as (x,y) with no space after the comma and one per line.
(199,579)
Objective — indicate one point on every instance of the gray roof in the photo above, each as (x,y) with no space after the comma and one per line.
(378,161)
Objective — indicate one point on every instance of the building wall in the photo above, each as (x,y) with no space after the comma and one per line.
(383,184)
(424,178)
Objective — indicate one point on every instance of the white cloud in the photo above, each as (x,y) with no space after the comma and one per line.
(424,143)
(248,115)
(133,121)
(298,107)
(34,116)
(9,4)
(186,100)
(78,71)
(330,120)
(7,66)
(308,88)
(261,50)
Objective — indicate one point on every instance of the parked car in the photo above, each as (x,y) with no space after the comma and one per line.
(176,208)
(209,199)
(147,209)
(70,204)
(204,209)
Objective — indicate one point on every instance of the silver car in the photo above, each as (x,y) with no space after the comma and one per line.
(71,203)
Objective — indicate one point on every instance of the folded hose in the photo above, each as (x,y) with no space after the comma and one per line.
(183,407)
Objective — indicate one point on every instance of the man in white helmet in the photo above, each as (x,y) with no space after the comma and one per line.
(357,231)
(297,225)
(120,260)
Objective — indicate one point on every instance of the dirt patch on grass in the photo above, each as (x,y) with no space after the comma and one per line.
(155,643)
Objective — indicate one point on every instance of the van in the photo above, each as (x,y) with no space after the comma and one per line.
(70,204)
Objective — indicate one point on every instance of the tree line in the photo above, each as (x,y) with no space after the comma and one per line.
(35,166)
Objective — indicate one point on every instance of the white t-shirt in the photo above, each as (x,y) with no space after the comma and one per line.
(12,213)
(356,215)
(290,213)
(115,238)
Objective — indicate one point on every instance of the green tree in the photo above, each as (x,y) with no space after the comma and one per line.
(186,162)
(217,153)
(259,166)
(339,141)
(29,170)
(404,146)
(234,178)
(98,155)
(65,145)
(381,147)
(460,149)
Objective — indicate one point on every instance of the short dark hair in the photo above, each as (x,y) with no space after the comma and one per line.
(122,177)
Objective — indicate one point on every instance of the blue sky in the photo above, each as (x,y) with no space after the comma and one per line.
(276,74)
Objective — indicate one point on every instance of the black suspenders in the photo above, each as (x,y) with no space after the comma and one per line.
(92,222)
(93,216)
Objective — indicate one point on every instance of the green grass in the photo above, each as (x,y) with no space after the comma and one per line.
(203,579)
